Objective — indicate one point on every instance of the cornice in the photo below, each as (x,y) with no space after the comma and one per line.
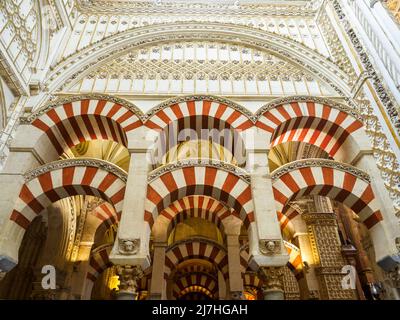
(77,162)
(309,163)
(220,165)
(291,8)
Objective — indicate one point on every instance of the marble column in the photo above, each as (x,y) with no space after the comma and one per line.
(128,277)
(158,283)
(272,282)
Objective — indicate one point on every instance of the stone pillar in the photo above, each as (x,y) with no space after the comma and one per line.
(128,277)
(272,282)
(132,244)
(326,246)
(158,283)
(265,239)
(235,274)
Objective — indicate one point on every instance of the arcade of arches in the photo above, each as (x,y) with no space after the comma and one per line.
(145,162)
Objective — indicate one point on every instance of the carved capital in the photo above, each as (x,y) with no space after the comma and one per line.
(270,246)
(128,246)
(272,278)
(129,277)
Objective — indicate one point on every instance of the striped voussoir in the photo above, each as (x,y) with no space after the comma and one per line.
(196,207)
(195,279)
(205,108)
(285,224)
(338,184)
(250,279)
(99,262)
(295,263)
(219,184)
(69,124)
(106,215)
(314,123)
(38,193)
(196,249)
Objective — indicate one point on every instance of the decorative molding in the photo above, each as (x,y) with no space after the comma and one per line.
(381,90)
(76,162)
(195,8)
(200,162)
(306,163)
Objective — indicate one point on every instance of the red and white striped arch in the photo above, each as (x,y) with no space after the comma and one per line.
(318,124)
(196,249)
(295,263)
(99,262)
(106,215)
(50,186)
(338,184)
(207,109)
(224,186)
(195,279)
(71,123)
(203,207)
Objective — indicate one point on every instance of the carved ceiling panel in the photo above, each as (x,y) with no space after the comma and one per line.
(199,67)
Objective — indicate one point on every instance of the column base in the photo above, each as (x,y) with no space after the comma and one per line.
(274,295)
(126,295)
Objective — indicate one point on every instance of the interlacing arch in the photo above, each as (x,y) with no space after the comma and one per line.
(71,121)
(343,183)
(61,179)
(320,122)
(177,181)
(196,249)
(199,280)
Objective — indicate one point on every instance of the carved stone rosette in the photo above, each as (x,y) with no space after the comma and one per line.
(272,278)
(129,277)
(270,246)
(128,246)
